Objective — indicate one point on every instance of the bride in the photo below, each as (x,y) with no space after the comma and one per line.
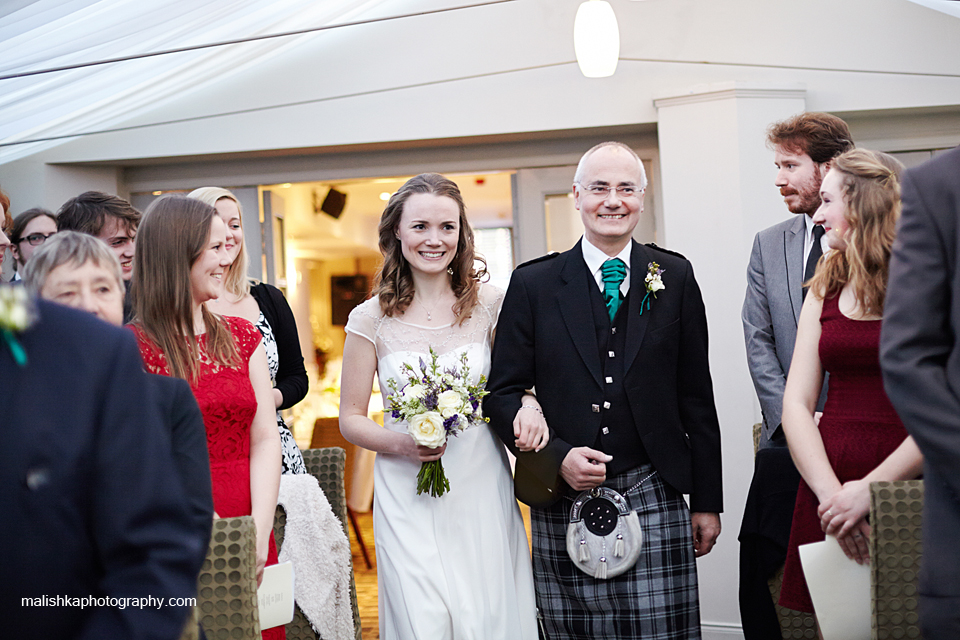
(456,566)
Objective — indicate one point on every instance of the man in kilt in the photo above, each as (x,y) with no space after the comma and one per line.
(612,337)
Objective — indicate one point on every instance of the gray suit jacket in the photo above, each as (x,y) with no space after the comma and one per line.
(771,311)
(920,352)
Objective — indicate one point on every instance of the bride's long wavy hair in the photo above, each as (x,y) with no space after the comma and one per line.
(871,193)
(394,283)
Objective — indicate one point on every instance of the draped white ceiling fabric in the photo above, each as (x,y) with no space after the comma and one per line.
(46,34)
(949,7)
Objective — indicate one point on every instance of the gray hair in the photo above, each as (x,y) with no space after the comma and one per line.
(68,247)
(619,145)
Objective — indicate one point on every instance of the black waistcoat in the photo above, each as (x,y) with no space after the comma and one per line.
(618,433)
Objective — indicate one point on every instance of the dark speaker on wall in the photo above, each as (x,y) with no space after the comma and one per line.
(334,203)
(347,292)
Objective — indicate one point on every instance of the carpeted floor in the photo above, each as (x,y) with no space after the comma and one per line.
(366,578)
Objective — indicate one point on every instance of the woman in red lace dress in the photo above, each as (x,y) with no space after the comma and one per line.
(859,438)
(178,266)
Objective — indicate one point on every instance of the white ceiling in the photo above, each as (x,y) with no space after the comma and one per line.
(498,69)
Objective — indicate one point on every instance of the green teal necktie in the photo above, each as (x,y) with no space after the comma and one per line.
(613,272)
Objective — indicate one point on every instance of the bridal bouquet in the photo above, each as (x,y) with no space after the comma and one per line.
(436,403)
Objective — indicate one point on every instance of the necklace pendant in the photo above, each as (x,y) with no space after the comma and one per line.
(429,317)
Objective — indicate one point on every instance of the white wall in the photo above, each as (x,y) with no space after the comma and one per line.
(717,188)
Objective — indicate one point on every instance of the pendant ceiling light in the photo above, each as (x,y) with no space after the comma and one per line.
(596,39)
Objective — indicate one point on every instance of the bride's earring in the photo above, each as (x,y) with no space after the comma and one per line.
(450,271)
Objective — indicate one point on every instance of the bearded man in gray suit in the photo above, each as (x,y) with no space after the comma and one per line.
(784,256)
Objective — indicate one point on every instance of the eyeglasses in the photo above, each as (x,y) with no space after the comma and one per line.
(35,239)
(602,191)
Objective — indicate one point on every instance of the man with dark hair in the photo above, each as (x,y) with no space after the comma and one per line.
(110,218)
(784,256)
(919,352)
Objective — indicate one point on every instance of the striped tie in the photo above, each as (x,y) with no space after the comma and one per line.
(613,271)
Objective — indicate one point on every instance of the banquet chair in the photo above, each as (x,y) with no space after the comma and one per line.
(326,433)
(896,517)
(327,466)
(227,585)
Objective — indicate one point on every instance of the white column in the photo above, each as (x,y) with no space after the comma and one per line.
(717,184)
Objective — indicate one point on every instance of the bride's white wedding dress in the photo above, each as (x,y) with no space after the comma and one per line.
(455,567)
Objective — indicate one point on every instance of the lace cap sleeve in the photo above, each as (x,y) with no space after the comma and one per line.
(491,299)
(364,318)
(245,335)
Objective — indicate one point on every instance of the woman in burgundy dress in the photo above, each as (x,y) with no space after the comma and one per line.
(859,438)
(179,265)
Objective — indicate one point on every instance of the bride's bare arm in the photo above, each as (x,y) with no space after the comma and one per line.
(359,365)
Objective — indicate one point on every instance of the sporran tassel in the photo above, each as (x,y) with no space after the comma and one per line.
(618,547)
(601,572)
(584,552)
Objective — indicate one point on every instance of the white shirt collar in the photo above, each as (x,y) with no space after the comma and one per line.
(808,221)
(595,258)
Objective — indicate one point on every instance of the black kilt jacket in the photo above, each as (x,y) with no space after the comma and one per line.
(546,340)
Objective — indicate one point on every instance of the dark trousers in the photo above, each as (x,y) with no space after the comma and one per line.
(764,535)
(940,566)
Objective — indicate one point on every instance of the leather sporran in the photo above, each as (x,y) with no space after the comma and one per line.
(603,535)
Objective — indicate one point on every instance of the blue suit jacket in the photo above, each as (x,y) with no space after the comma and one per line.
(85,487)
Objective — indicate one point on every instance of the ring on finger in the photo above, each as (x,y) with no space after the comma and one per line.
(829,513)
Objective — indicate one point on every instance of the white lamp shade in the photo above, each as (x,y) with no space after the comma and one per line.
(596,39)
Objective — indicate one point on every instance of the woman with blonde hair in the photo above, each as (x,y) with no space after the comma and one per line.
(179,265)
(265,307)
(859,439)
(457,565)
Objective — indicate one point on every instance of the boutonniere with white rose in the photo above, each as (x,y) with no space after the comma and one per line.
(436,403)
(653,283)
(16,316)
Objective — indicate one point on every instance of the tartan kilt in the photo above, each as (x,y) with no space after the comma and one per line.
(657,599)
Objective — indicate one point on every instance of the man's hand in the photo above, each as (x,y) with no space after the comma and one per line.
(584,468)
(706,529)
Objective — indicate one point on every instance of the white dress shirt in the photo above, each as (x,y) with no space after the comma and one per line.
(808,239)
(595,258)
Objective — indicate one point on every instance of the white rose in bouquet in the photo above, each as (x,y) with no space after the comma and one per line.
(427,429)
(414,392)
(449,403)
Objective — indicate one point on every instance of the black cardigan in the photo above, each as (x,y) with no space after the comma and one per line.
(291,376)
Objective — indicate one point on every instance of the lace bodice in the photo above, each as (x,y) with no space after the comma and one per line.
(225,394)
(397,341)
(390,335)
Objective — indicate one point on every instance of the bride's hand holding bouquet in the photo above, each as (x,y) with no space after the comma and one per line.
(435,403)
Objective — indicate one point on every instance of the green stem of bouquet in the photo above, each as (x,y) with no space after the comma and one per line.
(19,355)
(432,478)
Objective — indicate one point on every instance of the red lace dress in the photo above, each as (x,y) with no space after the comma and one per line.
(228,405)
(859,427)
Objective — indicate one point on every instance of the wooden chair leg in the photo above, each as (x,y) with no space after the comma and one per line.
(356,530)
